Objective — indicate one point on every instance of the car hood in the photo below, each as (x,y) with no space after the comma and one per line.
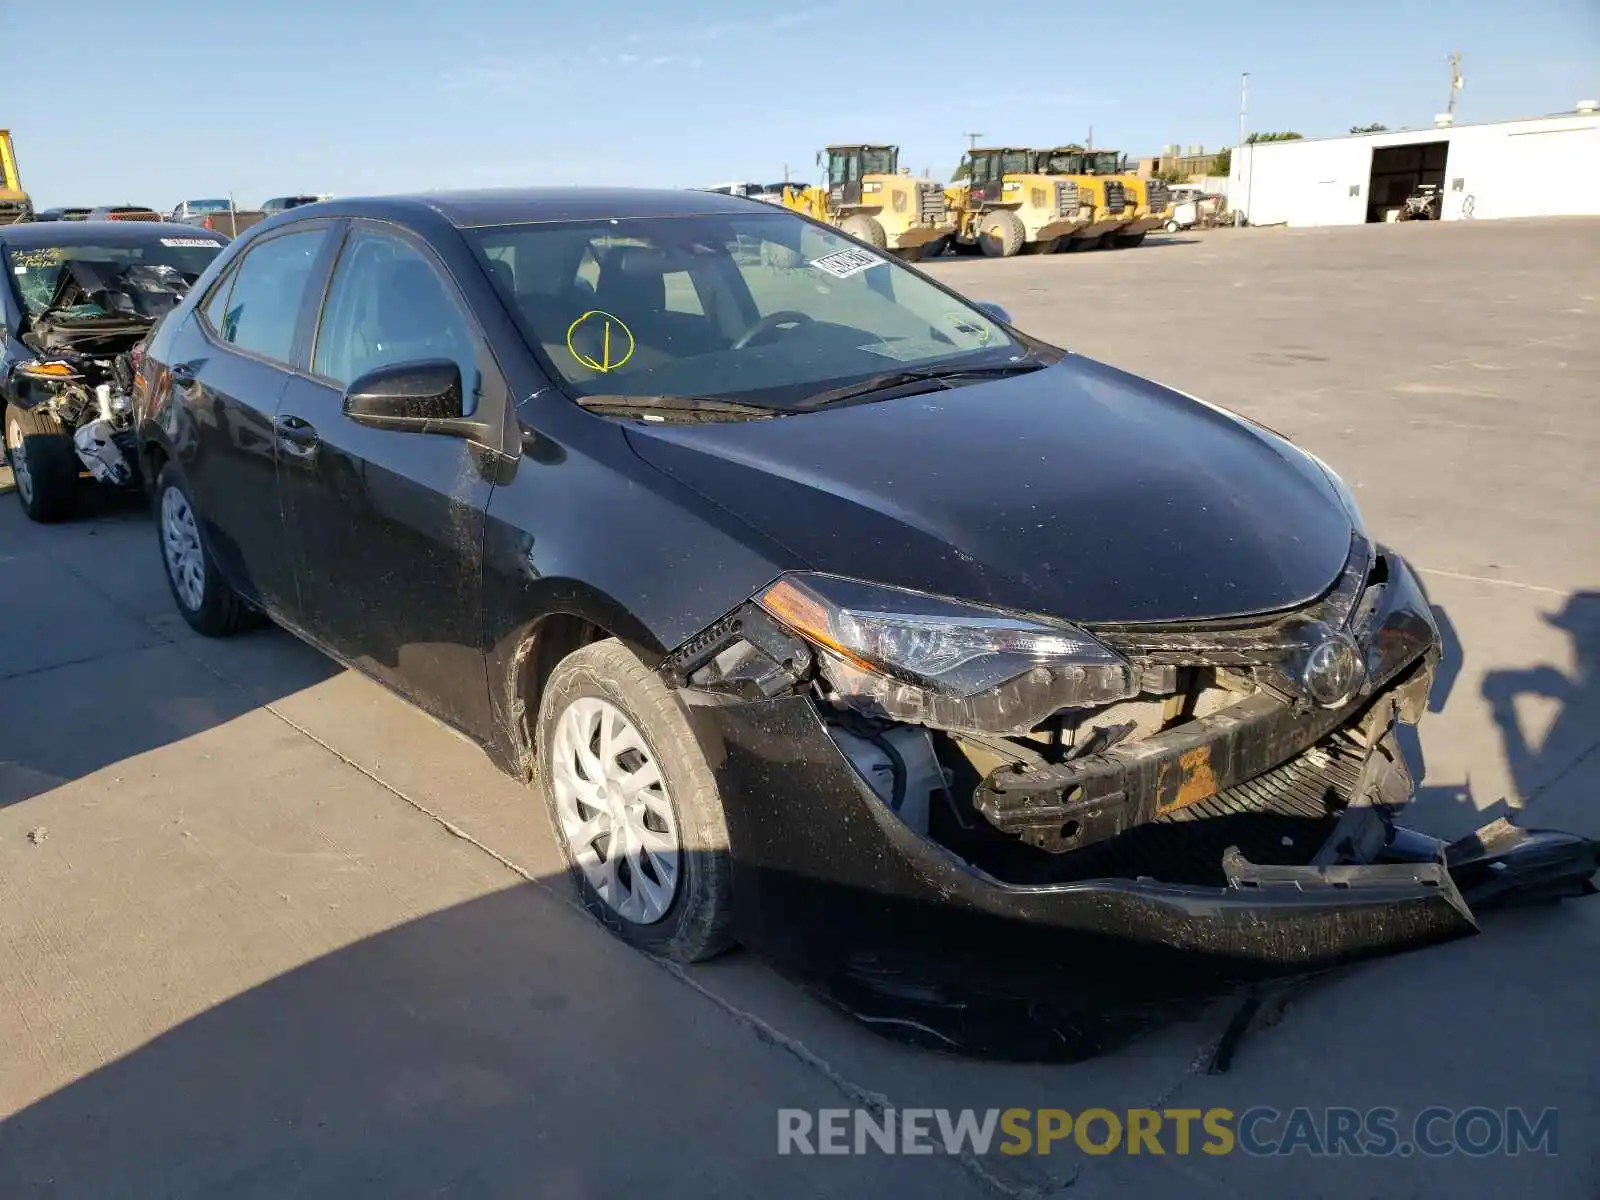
(1079,491)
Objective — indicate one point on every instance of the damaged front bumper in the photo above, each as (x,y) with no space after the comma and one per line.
(1255,846)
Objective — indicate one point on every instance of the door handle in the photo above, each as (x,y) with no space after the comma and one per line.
(297,432)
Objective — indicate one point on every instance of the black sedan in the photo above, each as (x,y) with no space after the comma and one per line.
(825,610)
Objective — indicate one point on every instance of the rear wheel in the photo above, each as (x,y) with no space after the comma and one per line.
(634,805)
(866,229)
(1171,227)
(1129,240)
(203,597)
(44,464)
(1000,233)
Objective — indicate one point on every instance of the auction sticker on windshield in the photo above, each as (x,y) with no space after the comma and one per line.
(190,242)
(842,264)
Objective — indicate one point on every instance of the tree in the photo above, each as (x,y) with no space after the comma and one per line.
(1172,175)
(1373,128)
(1224,161)
(1272,137)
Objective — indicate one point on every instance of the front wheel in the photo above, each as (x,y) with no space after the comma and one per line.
(1172,227)
(44,464)
(203,597)
(634,805)
(1000,233)
(866,229)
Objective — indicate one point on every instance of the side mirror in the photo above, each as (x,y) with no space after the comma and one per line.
(992,309)
(414,397)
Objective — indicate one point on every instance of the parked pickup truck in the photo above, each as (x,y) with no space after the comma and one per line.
(219,216)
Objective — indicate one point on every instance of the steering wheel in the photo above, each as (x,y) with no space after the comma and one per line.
(777,320)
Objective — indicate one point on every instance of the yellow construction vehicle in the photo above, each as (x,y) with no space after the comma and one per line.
(1005,207)
(15,207)
(870,198)
(1098,174)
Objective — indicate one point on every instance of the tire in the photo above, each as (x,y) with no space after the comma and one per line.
(964,248)
(1127,241)
(44,464)
(601,681)
(1000,233)
(911,254)
(1047,246)
(203,597)
(1105,241)
(1172,227)
(866,229)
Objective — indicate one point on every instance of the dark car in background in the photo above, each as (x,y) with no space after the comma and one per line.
(280,204)
(64,214)
(76,301)
(825,610)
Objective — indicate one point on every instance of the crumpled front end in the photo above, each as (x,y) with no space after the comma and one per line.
(1051,892)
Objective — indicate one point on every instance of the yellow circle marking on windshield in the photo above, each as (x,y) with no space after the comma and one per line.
(609,354)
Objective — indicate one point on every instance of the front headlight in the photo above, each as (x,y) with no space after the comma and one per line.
(921,659)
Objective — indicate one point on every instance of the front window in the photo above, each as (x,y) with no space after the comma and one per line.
(1064,164)
(879,160)
(197,207)
(37,269)
(1105,162)
(843,168)
(1014,162)
(764,309)
(982,170)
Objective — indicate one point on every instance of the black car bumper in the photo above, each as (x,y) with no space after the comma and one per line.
(899,931)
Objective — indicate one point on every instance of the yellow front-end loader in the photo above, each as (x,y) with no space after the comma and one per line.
(1005,207)
(868,197)
(1098,175)
(15,206)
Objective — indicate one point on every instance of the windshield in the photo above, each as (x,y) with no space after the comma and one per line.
(1105,162)
(207,206)
(1014,162)
(879,160)
(37,269)
(1064,164)
(762,308)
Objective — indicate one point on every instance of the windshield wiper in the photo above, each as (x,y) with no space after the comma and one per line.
(897,379)
(675,408)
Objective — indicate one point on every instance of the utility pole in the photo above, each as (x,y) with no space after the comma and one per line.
(1455,82)
(1089,145)
(1244,88)
(972,140)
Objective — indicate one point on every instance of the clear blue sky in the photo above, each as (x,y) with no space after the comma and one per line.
(111,101)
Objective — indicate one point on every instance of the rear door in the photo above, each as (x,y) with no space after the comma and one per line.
(386,527)
(229,367)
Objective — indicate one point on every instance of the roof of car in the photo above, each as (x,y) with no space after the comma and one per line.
(98,233)
(514,206)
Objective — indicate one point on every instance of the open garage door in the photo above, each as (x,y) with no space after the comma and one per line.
(1397,170)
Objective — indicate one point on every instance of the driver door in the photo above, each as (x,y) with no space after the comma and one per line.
(386,527)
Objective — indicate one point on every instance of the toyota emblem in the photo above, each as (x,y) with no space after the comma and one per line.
(1332,671)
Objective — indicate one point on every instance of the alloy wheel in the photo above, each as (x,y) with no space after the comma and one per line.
(614,810)
(180,545)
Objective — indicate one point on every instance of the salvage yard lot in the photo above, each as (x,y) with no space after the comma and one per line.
(266,930)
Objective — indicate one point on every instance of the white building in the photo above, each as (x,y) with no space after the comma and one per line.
(1538,167)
